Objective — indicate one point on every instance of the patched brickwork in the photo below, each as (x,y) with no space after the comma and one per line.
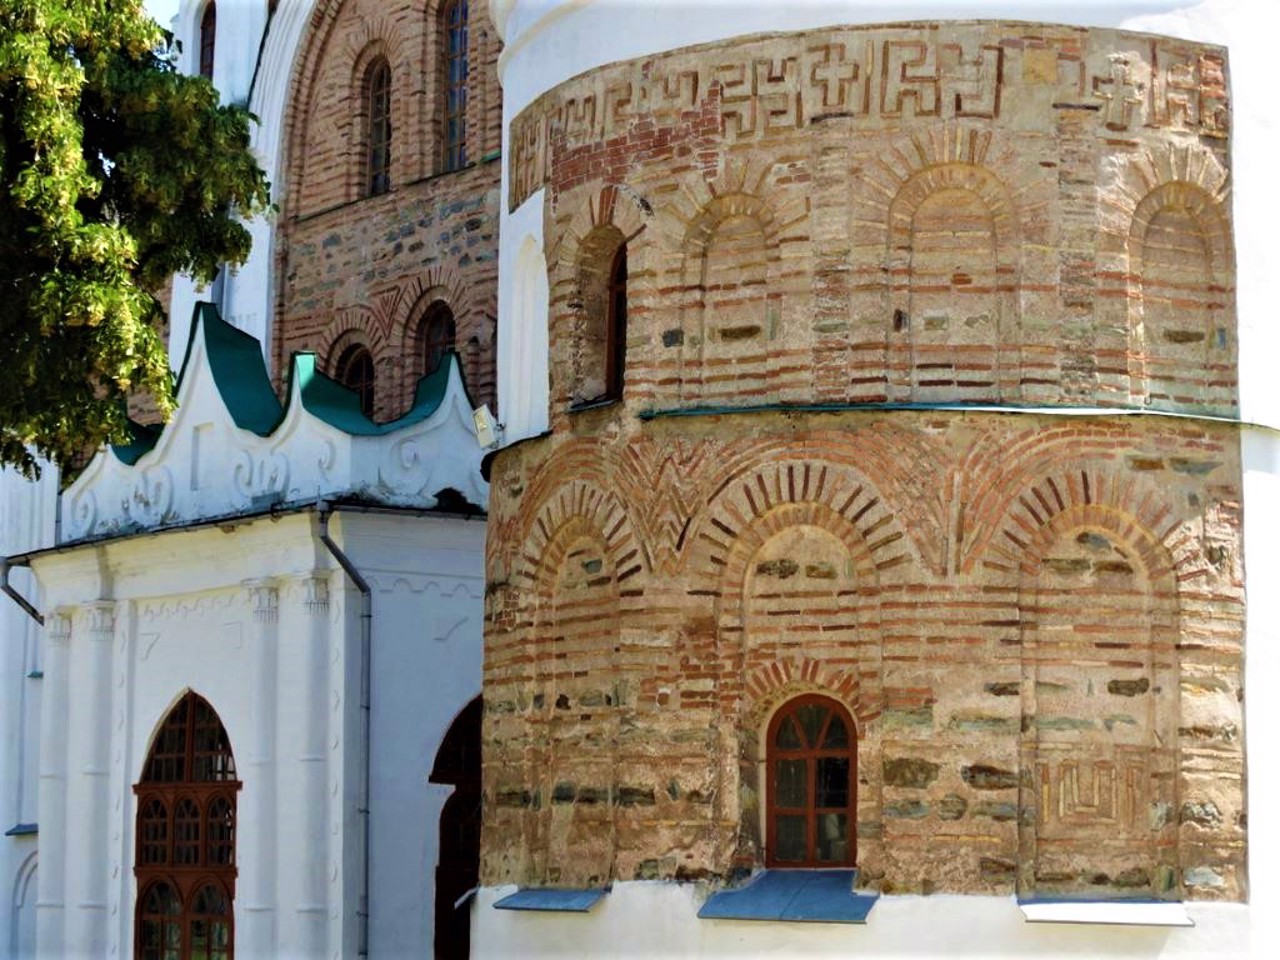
(954,213)
(357,268)
(1033,620)
(1036,626)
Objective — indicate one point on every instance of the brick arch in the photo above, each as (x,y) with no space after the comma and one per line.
(956,364)
(1201,295)
(1131,506)
(577,505)
(350,325)
(742,336)
(1187,176)
(770,686)
(830,495)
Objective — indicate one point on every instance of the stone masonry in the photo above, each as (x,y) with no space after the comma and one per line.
(366,269)
(845,249)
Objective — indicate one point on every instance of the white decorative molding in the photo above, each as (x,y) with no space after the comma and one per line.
(264,599)
(315,597)
(205,465)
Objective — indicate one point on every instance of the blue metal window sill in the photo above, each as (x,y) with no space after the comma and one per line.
(22,830)
(799,896)
(552,900)
(1137,912)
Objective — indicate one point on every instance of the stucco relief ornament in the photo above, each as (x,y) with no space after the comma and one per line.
(404,469)
(255,477)
(151,498)
(82,517)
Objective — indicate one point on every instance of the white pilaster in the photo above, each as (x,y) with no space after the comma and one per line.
(51,904)
(256,846)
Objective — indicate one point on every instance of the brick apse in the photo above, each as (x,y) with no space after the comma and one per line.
(884,366)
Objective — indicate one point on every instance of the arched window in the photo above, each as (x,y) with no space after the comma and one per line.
(208,32)
(377,86)
(437,336)
(354,370)
(454,18)
(812,787)
(185,857)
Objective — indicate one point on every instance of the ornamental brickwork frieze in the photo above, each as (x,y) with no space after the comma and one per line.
(767,86)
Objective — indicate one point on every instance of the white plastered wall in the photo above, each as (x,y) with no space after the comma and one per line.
(258,619)
(27,516)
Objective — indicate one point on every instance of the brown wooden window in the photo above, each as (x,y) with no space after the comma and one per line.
(456,31)
(812,787)
(208,34)
(616,325)
(378,127)
(185,859)
(354,370)
(439,333)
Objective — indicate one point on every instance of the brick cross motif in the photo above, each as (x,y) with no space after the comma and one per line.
(1120,95)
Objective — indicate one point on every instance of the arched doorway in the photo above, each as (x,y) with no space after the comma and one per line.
(458,869)
(185,856)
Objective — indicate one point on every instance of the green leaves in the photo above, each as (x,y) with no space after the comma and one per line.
(115,173)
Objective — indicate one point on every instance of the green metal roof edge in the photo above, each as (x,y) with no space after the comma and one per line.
(1060,410)
(142,440)
(326,399)
(239,372)
(430,393)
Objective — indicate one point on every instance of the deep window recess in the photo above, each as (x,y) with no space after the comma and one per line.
(208,32)
(378,127)
(185,857)
(616,325)
(438,334)
(456,31)
(812,785)
(354,370)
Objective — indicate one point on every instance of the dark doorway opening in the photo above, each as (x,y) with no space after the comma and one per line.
(458,870)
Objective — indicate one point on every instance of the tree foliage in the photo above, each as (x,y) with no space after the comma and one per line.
(116,171)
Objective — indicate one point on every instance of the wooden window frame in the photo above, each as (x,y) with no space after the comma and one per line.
(438,334)
(455,36)
(208,38)
(810,754)
(377,105)
(171,778)
(359,382)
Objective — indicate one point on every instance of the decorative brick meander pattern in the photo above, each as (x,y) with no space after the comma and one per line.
(1035,621)
(366,269)
(965,212)
(1036,625)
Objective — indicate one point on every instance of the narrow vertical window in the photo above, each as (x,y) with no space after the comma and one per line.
(439,333)
(354,370)
(616,325)
(208,31)
(455,85)
(378,115)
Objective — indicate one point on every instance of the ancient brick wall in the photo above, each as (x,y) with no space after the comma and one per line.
(956,213)
(1034,621)
(354,268)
